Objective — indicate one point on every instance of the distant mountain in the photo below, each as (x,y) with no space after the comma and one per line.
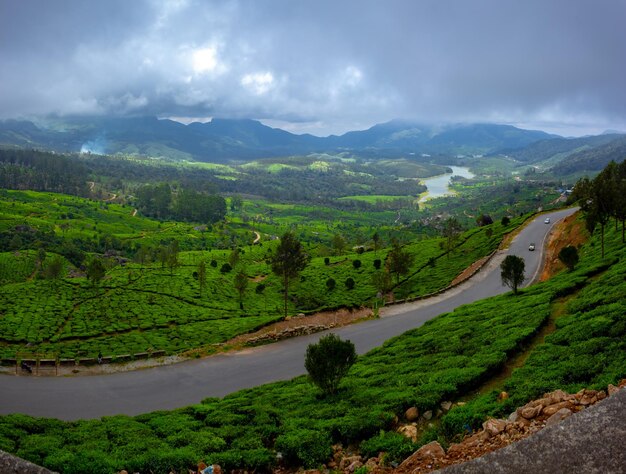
(559,148)
(591,161)
(225,139)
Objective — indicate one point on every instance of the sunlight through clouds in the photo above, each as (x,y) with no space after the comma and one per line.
(258,83)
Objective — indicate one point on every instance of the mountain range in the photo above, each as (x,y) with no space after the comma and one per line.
(227,139)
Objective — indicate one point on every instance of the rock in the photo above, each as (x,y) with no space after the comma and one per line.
(455,448)
(427,416)
(412,414)
(552,409)
(123,471)
(439,412)
(622,383)
(612,389)
(354,466)
(513,417)
(408,431)
(494,427)
(530,412)
(445,406)
(217,469)
(430,451)
(558,416)
(557,396)
(503,396)
(347,461)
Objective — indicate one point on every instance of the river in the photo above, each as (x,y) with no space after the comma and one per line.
(440,185)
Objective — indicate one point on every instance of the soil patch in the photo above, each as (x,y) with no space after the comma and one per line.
(569,231)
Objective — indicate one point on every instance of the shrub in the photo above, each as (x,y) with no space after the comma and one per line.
(307,447)
(226,268)
(356,263)
(330,284)
(328,361)
(506,220)
(377,264)
(326,261)
(350,283)
(260,288)
(569,256)
(396,446)
(213,263)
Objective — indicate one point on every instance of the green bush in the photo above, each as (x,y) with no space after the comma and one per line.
(396,446)
(305,447)
(328,361)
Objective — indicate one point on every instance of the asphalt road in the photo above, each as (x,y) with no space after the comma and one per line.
(178,385)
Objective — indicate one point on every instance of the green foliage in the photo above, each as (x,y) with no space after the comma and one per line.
(569,256)
(512,272)
(395,446)
(350,283)
(305,447)
(328,361)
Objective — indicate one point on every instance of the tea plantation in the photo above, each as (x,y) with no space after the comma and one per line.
(445,359)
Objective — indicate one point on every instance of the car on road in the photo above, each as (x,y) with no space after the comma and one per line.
(547,221)
(531,247)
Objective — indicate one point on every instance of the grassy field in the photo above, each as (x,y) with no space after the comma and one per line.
(445,359)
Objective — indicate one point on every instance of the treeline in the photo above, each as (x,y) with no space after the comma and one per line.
(42,171)
(603,198)
(185,205)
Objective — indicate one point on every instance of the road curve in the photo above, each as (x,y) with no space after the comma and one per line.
(186,383)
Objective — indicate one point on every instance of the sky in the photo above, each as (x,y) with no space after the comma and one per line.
(319,66)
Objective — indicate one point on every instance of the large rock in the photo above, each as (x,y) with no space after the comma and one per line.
(552,409)
(494,427)
(430,451)
(412,414)
(559,416)
(408,431)
(530,412)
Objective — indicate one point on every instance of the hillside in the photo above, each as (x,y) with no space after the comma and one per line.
(569,330)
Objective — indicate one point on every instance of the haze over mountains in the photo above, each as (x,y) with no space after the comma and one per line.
(224,139)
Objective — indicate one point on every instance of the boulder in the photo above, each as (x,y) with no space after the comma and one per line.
(494,427)
(412,414)
(552,409)
(428,415)
(503,396)
(430,451)
(530,412)
(612,389)
(445,406)
(408,431)
(354,466)
(558,416)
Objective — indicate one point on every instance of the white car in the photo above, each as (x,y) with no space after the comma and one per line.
(547,221)
(531,247)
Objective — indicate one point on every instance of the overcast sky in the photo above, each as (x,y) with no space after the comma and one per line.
(320,66)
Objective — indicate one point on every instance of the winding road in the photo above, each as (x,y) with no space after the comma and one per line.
(178,385)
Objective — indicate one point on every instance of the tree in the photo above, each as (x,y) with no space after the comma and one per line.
(54,268)
(241,284)
(236,202)
(288,261)
(95,271)
(451,231)
(483,220)
(399,261)
(328,361)
(202,275)
(350,283)
(512,272)
(569,256)
(330,284)
(377,242)
(505,221)
(339,244)
(234,257)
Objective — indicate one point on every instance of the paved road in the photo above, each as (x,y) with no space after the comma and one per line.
(173,386)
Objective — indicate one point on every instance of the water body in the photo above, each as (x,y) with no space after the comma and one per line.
(440,185)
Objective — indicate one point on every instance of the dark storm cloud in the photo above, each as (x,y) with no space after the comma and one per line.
(322,66)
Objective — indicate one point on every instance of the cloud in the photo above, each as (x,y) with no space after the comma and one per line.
(329,66)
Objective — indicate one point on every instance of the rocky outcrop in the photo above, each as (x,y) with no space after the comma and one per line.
(549,410)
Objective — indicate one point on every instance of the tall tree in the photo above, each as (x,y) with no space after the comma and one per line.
(376,239)
(512,272)
(95,271)
(288,261)
(398,261)
(451,231)
(241,284)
